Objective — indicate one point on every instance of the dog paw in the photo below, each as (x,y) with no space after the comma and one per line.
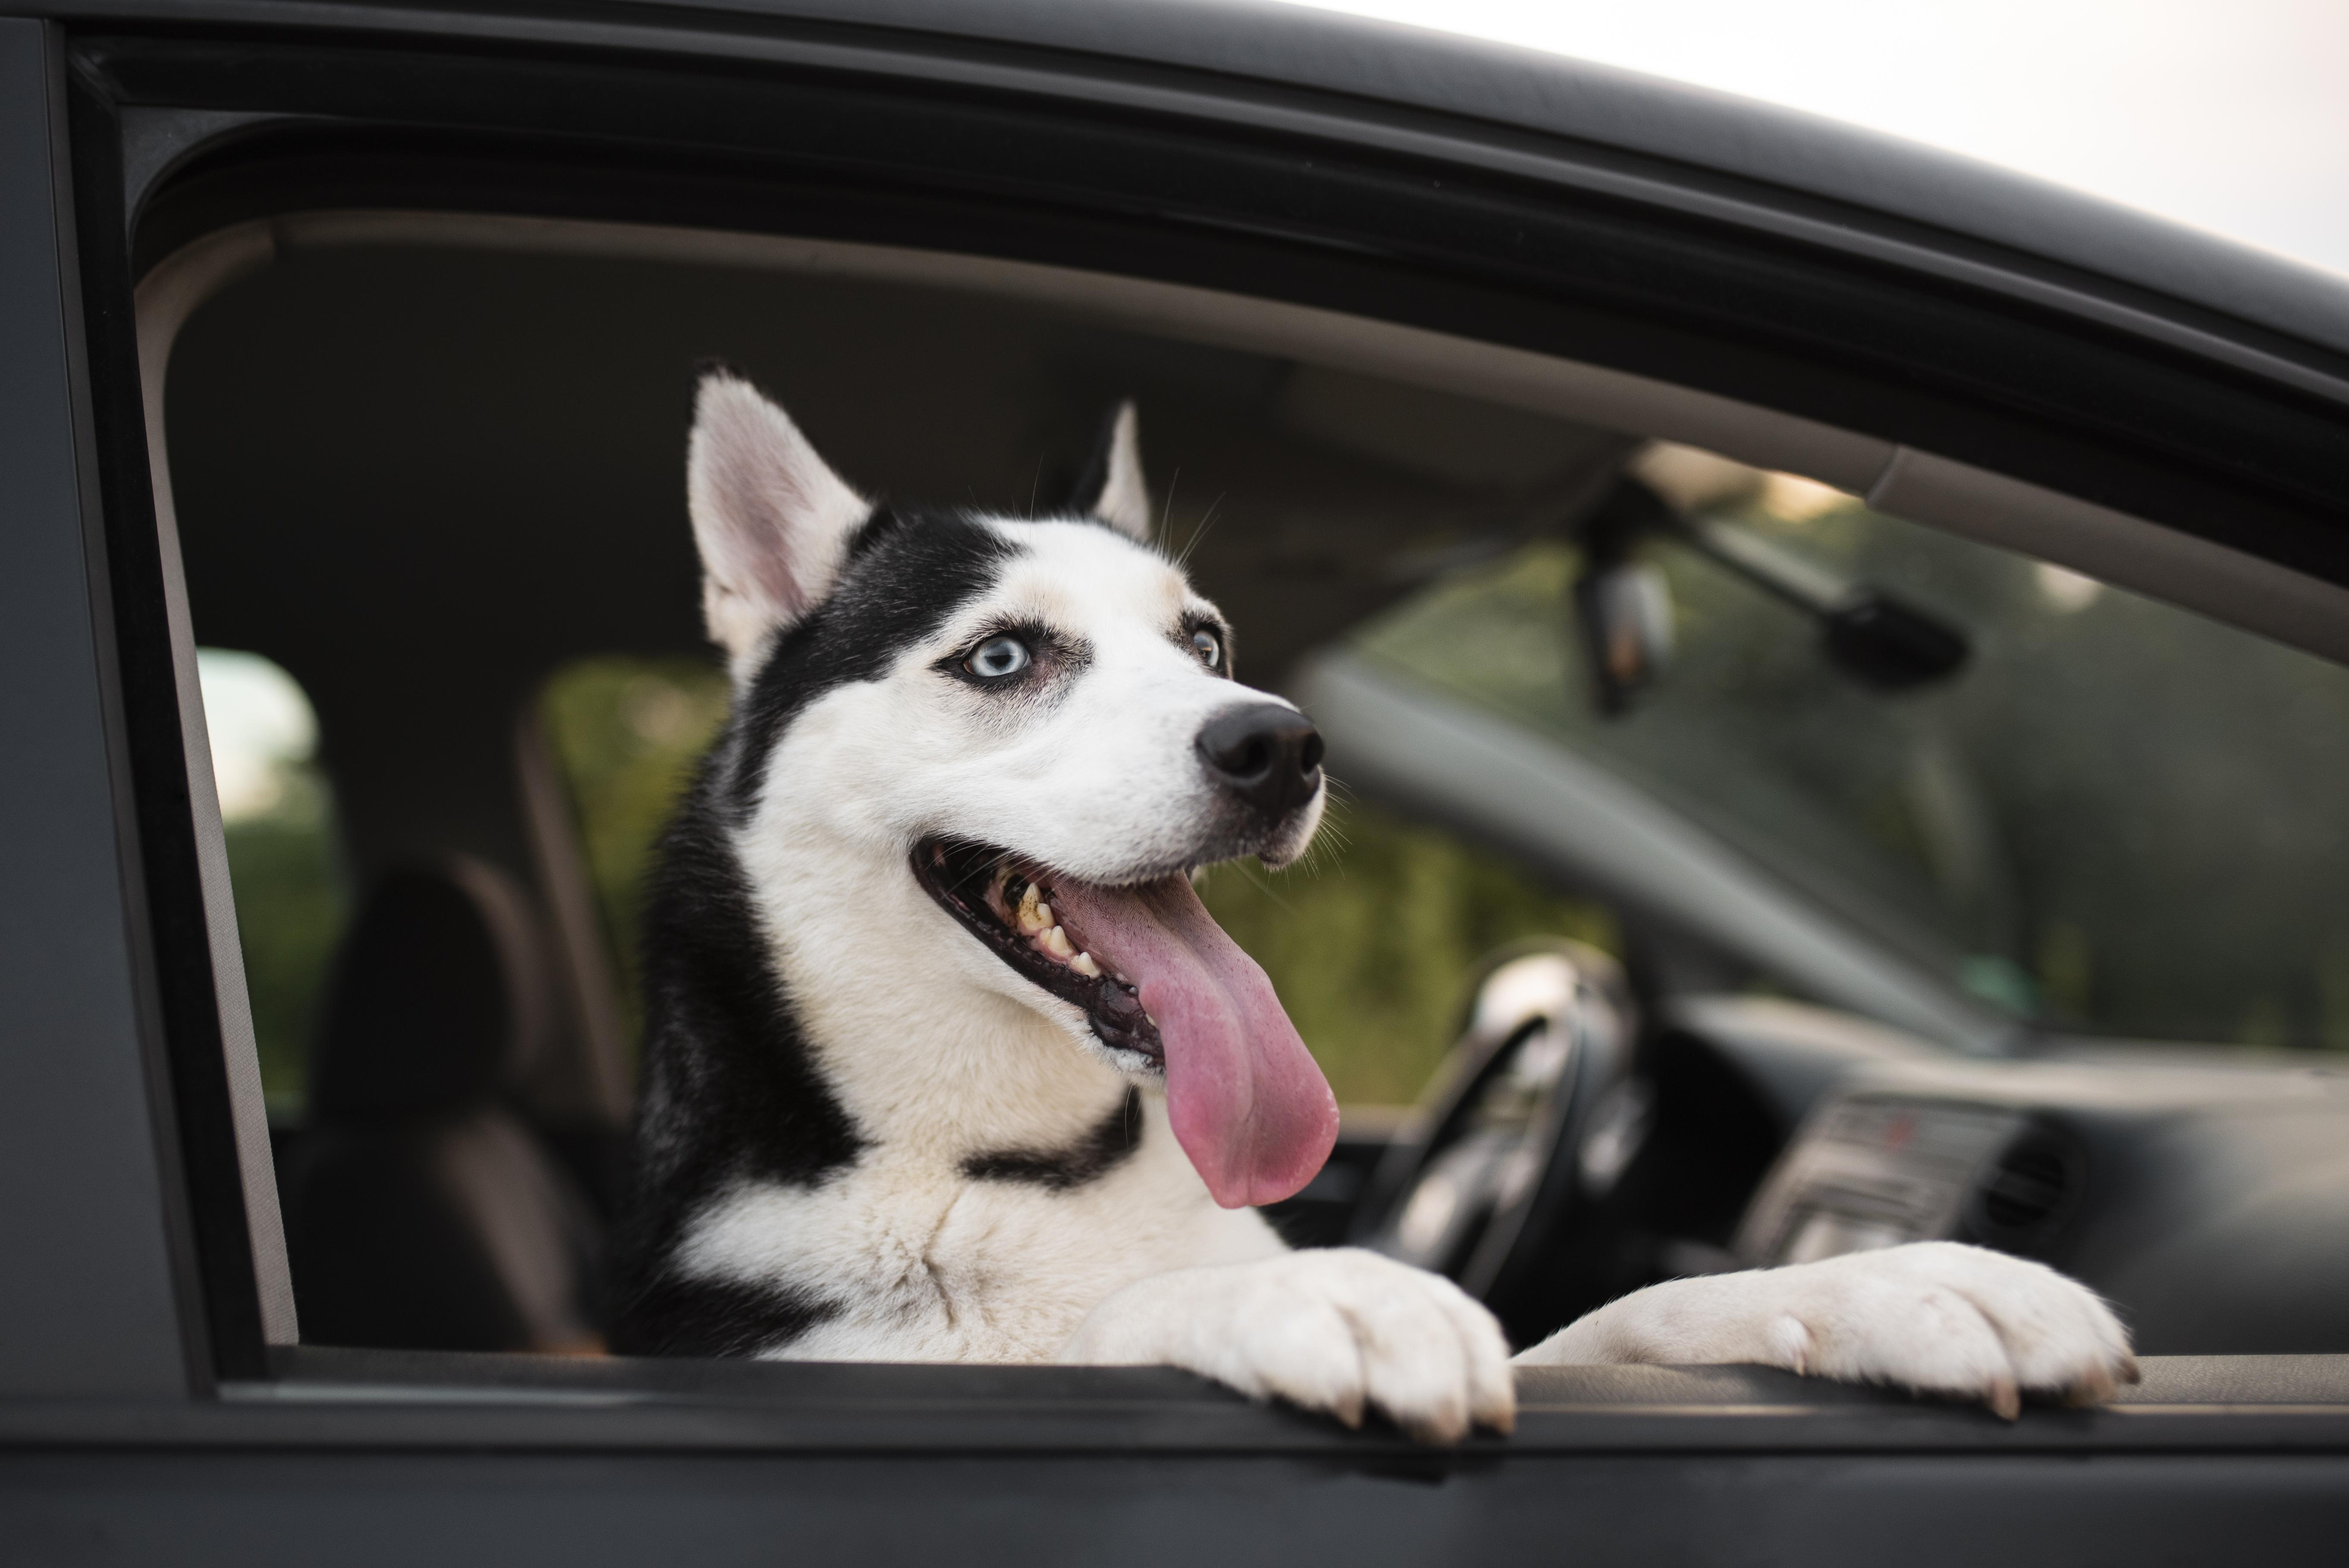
(1932,1316)
(1341,1331)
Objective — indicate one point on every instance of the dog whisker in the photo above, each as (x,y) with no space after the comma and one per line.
(1166,507)
(1207,524)
(1262,881)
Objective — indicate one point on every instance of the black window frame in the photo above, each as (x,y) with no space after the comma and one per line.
(1055,156)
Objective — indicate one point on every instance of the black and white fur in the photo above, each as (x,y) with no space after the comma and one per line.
(863,1136)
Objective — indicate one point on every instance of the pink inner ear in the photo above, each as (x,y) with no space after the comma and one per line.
(774,540)
(769,515)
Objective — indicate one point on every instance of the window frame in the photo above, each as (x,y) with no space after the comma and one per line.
(173,136)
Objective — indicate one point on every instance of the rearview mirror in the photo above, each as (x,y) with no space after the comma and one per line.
(1892,646)
(1624,612)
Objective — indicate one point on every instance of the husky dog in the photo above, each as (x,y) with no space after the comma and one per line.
(948,1063)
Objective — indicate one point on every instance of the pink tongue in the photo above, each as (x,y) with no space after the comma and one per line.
(1247,1102)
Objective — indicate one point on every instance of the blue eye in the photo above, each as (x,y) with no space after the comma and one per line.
(997,658)
(1208,647)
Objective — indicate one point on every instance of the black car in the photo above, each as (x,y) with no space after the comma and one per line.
(1894,611)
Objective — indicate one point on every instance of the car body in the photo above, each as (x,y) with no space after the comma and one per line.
(2023,368)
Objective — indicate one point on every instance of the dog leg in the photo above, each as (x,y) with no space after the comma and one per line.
(1933,1316)
(1341,1331)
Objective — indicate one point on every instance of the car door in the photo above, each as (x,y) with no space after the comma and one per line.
(1266,179)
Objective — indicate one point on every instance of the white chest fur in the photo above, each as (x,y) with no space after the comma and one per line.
(921,1263)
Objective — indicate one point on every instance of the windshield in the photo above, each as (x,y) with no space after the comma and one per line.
(2114,816)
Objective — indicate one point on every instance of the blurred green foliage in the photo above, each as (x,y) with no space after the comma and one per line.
(625,734)
(1369,942)
(292,903)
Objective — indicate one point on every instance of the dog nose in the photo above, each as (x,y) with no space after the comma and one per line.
(1268,755)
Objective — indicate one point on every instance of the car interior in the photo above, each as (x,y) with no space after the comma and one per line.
(1745,853)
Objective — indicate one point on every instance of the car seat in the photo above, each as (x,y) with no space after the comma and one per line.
(422,1207)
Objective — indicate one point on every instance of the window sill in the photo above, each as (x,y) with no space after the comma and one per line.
(329,1400)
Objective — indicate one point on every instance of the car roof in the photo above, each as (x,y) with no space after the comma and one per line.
(1528,90)
(1907,204)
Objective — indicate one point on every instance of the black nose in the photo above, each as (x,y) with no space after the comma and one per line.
(1268,755)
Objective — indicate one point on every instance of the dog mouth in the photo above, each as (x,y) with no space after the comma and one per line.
(1008,904)
(1169,994)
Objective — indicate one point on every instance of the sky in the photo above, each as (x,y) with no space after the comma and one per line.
(2232,117)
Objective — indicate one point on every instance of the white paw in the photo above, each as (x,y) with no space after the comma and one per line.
(1342,1331)
(1933,1316)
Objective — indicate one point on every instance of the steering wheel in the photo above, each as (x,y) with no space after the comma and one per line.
(1534,1111)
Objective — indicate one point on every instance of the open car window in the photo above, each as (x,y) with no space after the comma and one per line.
(510,671)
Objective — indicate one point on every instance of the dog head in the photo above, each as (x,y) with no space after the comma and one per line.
(1010,743)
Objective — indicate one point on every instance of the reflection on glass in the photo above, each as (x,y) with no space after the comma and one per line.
(2117,817)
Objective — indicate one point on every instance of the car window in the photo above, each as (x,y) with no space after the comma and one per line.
(1372,940)
(277,812)
(2113,816)
(512,553)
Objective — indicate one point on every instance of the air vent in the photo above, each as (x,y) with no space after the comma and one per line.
(2028,1188)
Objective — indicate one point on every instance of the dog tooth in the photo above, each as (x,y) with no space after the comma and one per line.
(1056,942)
(1084,964)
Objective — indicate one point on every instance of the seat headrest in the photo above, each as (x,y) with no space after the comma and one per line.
(440,994)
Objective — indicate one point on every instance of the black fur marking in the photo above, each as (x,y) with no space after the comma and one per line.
(729,1093)
(1054,658)
(1193,621)
(1092,480)
(906,572)
(672,1316)
(1101,1151)
(882,522)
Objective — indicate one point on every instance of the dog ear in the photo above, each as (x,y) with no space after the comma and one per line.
(771,519)
(1111,487)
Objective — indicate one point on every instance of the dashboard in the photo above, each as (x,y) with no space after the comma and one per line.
(2205,1193)
(1878,1169)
